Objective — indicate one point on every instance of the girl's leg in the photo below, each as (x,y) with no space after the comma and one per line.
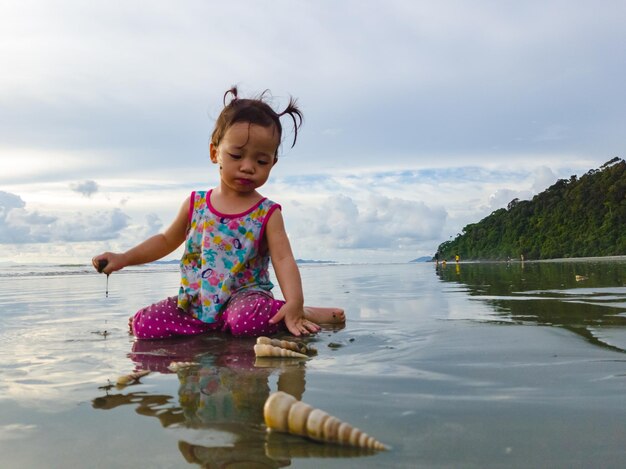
(248,314)
(324,315)
(165,319)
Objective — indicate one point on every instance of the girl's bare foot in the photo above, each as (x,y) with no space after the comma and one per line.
(324,315)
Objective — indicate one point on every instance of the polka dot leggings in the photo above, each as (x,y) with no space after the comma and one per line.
(247,313)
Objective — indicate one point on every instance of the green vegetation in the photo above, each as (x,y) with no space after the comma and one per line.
(579,217)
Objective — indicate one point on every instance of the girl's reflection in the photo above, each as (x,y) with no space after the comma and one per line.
(225,391)
(230,386)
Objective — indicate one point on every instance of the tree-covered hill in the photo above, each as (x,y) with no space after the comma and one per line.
(576,217)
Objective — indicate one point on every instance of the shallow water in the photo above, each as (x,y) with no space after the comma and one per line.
(469,365)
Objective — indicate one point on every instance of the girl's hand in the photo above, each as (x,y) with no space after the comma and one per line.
(113,260)
(294,320)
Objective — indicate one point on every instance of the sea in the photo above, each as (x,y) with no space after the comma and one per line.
(473,365)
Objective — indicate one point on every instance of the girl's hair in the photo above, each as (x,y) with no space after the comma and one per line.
(254,111)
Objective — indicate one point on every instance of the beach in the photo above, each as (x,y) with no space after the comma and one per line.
(467,365)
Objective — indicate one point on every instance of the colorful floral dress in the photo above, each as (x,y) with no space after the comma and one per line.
(223,255)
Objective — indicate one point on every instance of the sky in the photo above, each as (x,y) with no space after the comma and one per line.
(420,117)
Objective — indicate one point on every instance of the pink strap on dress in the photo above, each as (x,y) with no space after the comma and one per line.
(191,203)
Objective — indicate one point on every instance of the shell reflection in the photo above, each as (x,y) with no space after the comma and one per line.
(266,350)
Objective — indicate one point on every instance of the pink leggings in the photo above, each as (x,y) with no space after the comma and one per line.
(246,314)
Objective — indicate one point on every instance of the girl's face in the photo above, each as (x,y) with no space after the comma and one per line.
(246,156)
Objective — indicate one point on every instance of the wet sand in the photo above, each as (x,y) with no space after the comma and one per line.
(473,365)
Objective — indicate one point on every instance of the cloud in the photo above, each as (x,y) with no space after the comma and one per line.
(543,178)
(153,223)
(86,188)
(98,226)
(8,202)
(12,230)
(376,222)
(137,232)
(19,225)
(502,197)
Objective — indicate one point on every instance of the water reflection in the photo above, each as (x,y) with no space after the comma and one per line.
(223,394)
(587,298)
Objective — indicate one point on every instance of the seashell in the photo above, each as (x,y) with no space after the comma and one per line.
(176,366)
(580,278)
(284,413)
(266,350)
(131,377)
(295,346)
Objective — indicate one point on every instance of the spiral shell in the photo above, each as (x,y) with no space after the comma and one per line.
(295,346)
(284,413)
(131,377)
(265,350)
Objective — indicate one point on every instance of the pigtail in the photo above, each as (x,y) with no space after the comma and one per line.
(296,115)
(232,91)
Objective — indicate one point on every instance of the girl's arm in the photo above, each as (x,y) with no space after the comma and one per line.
(151,249)
(288,277)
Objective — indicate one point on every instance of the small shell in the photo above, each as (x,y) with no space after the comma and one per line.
(265,350)
(175,366)
(295,346)
(284,413)
(131,377)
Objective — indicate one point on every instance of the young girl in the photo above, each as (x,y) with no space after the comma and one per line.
(230,234)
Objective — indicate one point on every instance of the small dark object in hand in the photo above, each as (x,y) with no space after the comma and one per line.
(102,263)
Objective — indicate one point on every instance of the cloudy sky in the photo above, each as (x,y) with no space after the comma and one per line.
(420,116)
